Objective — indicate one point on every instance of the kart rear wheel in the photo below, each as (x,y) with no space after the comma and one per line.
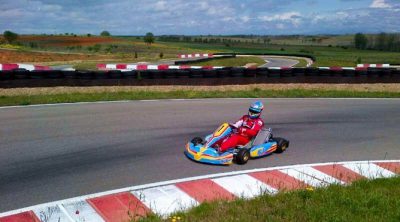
(242,156)
(282,145)
(197,140)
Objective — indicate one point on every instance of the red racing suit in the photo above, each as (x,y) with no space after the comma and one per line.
(247,129)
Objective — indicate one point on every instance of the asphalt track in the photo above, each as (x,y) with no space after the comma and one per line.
(49,153)
(278,62)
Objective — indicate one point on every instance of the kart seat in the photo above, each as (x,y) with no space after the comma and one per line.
(262,136)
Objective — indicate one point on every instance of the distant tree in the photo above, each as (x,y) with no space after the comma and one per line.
(149,38)
(105,33)
(10,36)
(88,35)
(161,55)
(381,41)
(136,55)
(360,41)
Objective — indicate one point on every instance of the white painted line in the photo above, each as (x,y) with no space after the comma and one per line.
(165,183)
(173,67)
(196,67)
(53,214)
(132,67)
(369,170)
(198,99)
(62,208)
(165,200)
(26,66)
(348,68)
(244,186)
(1,66)
(312,181)
(111,66)
(82,211)
(152,67)
(319,175)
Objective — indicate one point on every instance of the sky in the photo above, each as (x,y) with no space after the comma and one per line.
(196,17)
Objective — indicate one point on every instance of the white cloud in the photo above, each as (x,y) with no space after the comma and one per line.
(292,17)
(245,18)
(379,4)
(160,6)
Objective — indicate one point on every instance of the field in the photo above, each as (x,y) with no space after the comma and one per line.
(85,52)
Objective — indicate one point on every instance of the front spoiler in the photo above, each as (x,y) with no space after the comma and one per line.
(206,155)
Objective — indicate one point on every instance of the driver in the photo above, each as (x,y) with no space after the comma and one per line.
(246,128)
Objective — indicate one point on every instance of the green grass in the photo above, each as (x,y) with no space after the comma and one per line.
(325,56)
(231,62)
(188,94)
(302,63)
(375,200)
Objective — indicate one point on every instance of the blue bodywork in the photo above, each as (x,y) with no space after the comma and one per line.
(205,153)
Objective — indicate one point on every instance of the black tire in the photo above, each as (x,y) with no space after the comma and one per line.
(197,140)
(242,156)
(283,144)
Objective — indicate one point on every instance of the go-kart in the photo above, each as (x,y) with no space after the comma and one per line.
(262,145)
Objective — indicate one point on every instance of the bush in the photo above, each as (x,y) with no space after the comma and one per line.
(10,36)
(96,47)
(105,33)
(161,55)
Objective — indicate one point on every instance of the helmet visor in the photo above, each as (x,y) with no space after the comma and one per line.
(254,113)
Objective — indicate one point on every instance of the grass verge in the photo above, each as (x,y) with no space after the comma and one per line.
(374,200)
(8,99)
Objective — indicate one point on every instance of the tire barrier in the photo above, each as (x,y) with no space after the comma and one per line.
(195,55)
(268,54)
(196,76)
(182,62)
(29,67)
(373,65)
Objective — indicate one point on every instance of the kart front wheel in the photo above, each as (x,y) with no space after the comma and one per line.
(242,156)
(197,140)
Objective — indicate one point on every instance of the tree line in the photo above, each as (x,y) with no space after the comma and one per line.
(382,41)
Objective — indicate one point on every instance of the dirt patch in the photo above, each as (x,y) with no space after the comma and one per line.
(13,56)
(63,41)
(109,89)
